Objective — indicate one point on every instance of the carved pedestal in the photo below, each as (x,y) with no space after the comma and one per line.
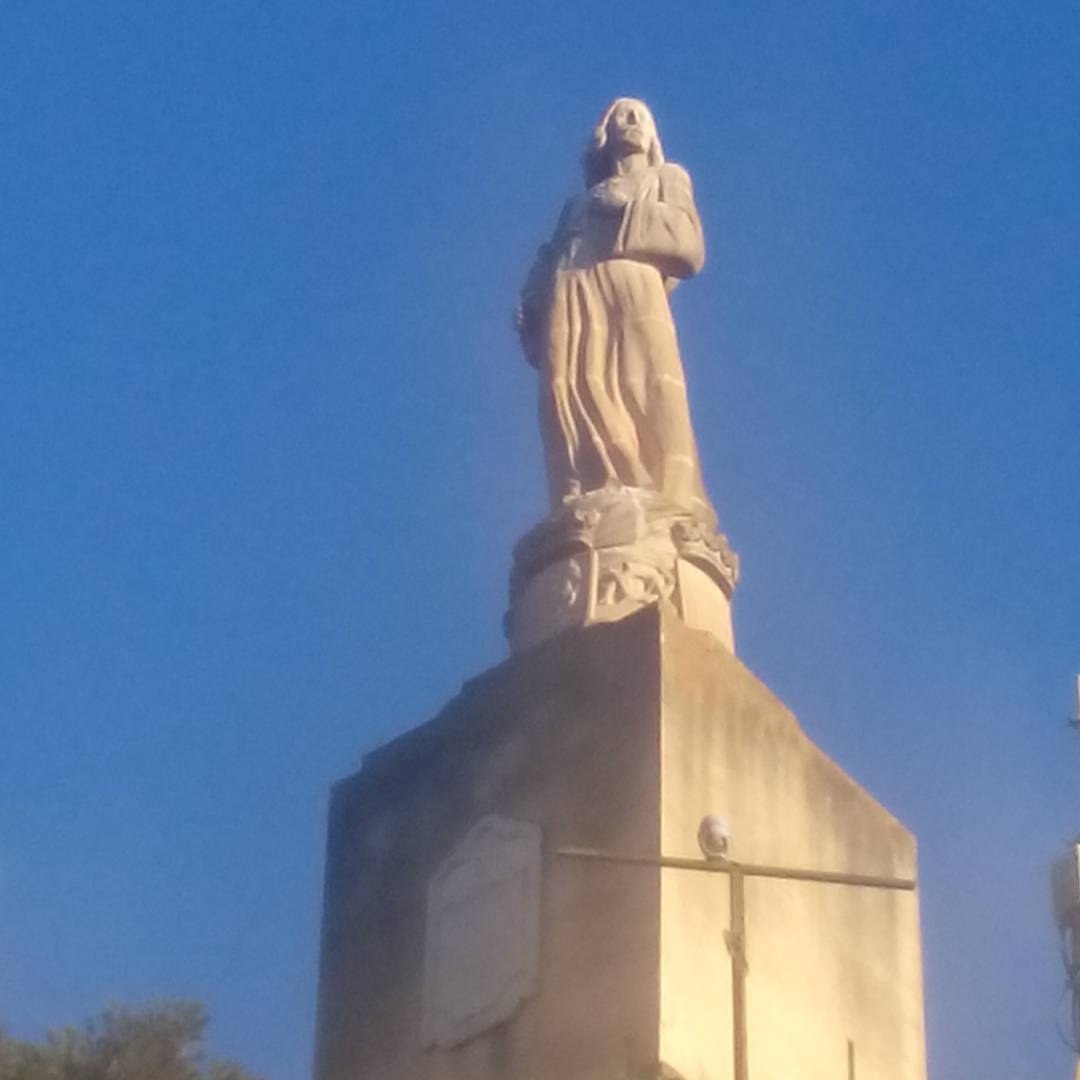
(464,940)
(611,552)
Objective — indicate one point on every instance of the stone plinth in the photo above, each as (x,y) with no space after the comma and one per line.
(617,738)
(610,552)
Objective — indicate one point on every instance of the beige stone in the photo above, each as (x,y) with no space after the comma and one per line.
(702,605)
(608,553)
(829,965)
(481,941)
(614,412)
(618,739)
(595,321)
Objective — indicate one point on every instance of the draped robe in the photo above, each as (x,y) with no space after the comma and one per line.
(613,401)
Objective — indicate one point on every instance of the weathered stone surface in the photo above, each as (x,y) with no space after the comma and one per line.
(562,737)
(607,553)
(620,738)
(828,964)
(595,321)
(482,939)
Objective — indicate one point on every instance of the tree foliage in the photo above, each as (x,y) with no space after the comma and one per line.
(159,1042)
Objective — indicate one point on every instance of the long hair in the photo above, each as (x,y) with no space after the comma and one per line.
(596,163)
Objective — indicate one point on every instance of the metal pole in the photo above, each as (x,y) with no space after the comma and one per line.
(728,866)
(737,948)
(736,934)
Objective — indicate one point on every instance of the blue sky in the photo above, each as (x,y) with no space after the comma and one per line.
(266,442)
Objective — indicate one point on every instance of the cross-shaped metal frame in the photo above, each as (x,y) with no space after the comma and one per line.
(737,873)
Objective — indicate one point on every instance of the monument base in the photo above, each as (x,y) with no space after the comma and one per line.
(495,906)
(610,552)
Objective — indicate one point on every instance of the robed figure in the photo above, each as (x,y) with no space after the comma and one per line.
(595,321)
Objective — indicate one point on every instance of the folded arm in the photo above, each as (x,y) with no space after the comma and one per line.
(665,230)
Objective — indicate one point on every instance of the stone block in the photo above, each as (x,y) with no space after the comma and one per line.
(616,738)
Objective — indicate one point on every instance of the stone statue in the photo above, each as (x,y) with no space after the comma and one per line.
(594,320)
(630,521)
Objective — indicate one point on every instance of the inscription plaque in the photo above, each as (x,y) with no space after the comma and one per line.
(483,916)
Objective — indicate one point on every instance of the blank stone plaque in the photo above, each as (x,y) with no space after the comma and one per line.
(480,954)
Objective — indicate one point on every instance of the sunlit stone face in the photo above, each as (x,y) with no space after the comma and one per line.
(630,128)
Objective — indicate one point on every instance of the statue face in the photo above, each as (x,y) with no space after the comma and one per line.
(630,128)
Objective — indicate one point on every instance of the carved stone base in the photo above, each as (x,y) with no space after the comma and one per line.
(608,553)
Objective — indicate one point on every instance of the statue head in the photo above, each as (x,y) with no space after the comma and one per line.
(626,127)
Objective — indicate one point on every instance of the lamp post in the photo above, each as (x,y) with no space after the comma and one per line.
(713,840)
